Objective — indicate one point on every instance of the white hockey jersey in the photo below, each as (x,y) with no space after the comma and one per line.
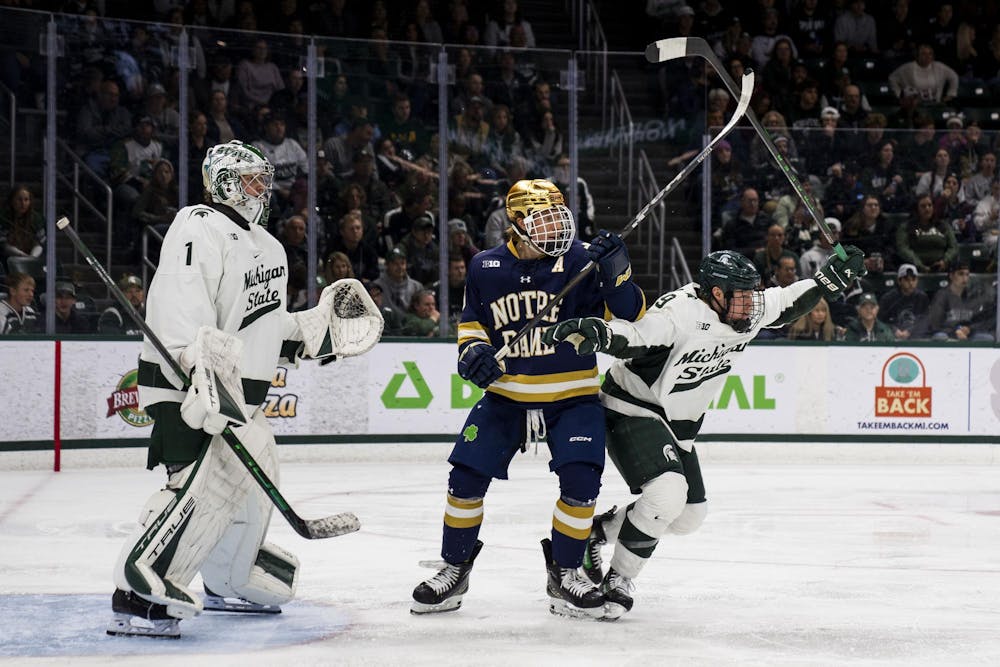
(678,356)
(218,270)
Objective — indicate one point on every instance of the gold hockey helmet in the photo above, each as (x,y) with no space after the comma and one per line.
(527,196)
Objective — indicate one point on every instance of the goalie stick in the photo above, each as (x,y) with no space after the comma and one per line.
(741,108)
(313,529)
(679,47)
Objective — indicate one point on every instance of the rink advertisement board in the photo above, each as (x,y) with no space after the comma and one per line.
(404,390)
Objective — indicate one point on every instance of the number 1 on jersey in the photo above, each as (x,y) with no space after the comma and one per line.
(188,245)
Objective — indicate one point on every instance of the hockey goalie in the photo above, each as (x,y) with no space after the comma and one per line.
(218,304)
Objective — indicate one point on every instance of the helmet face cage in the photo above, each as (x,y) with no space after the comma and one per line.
(749,303)
(550,231)
(238,175)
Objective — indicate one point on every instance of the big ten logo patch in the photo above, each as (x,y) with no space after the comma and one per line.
(124,401)
(280,405)
(904,391)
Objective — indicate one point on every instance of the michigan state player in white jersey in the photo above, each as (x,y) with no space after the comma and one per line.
(670,366)
(217,303)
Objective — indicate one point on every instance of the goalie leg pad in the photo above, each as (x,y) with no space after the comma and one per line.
(181,524)
(241,564)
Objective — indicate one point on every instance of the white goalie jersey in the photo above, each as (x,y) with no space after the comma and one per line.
(218,270)
(678,356)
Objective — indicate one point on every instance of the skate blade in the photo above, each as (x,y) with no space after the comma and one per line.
(127,625)
(560,607)
(451,604)
(239,605)
(613,611)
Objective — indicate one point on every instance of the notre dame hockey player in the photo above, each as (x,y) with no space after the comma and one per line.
(670,366)
(539,392)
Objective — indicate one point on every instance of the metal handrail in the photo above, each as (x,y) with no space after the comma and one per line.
(80,166)
(621,117)
(147,263)
(655,223)
(596,47)
(13,131)
(677,259)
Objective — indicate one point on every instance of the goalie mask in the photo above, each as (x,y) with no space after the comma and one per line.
(539,216)
(238,175)
(739,281)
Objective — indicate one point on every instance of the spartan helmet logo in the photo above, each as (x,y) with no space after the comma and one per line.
(240,176)
(538,214)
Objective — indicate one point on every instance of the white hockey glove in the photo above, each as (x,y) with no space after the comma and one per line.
(215,398)
(345,322)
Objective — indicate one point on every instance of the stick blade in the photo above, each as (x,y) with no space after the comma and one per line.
(332,526)
(667,49)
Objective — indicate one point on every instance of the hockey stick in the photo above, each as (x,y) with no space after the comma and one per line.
(742,107)
(313,529)
(677,47)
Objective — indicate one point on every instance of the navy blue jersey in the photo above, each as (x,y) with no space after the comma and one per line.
(503,293)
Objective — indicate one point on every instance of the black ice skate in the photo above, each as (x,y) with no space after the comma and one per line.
(617,594)
(592,556)
(571,593)
(444,591)
(136,617)
(215,602)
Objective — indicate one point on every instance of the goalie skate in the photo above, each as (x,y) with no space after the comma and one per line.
(570,592)
(215,602)
(592,561)
(617,594)
(136,617)
(444,591)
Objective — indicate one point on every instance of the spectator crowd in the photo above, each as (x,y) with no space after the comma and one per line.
(880,108)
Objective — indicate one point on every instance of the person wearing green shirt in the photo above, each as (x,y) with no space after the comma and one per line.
(867,328)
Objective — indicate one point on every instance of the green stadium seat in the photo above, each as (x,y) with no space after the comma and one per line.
(976,255)
(932,282)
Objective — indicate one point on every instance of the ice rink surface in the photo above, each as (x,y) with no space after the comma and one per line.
(820,564)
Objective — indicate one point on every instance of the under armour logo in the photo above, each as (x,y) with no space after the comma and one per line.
(525,279)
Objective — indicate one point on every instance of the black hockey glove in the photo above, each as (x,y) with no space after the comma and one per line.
(608,251)
(477,365)
(587,335)
(838,274)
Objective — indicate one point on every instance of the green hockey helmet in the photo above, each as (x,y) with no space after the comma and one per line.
(739,281)
(727,270)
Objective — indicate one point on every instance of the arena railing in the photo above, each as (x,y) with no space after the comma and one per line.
(12,132)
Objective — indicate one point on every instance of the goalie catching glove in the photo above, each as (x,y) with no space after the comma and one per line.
(215,398)
(609,252)
(587,335)
(345,322)
(478,364)
(838,274)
